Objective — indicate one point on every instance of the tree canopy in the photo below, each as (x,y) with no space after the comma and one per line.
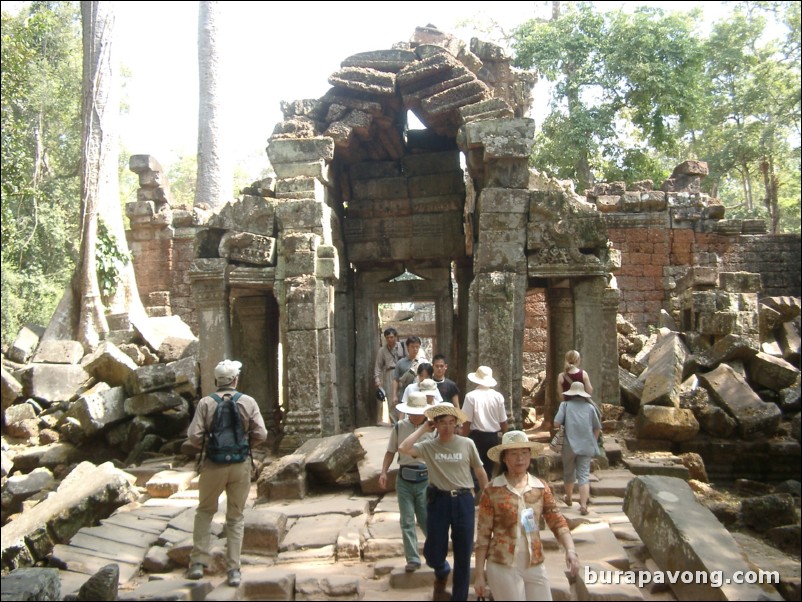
(41,139)
(635,93)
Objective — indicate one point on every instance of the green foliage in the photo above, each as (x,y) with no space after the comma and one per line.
(182,175)
(111,258)
(637,93)
(40,151)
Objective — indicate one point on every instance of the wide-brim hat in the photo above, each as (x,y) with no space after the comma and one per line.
(416,404)
(577,388)
(226,371)
(445,409)
(512,440)
(427,386)
(483,376)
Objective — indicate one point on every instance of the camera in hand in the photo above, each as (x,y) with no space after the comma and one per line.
(380,394)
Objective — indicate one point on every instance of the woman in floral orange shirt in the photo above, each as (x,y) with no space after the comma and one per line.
(508,536)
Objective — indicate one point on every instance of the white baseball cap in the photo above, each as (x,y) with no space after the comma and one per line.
(226,371)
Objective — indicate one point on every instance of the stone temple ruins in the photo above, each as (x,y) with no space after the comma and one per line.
(686,320)
(519,267)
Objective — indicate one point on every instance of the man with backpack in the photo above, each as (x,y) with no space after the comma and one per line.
(225,426)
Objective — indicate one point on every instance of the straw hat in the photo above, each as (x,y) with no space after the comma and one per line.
(511,440)
(427,386)
(577,388)
(416,404)
(445,409)
(483,376)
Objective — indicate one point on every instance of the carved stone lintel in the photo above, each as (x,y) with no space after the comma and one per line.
(248,248)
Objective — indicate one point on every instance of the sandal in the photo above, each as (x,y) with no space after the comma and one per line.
(583,510)
(568,501)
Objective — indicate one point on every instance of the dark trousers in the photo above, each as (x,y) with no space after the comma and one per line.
(484,441)
(456,513)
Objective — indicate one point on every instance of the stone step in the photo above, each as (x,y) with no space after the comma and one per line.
(81,560)
(123,552)
(131,520)
(124,535)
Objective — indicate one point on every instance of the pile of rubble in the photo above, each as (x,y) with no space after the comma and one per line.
(64,410)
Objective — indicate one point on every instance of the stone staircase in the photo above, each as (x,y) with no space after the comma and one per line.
(336,546)
(331,546)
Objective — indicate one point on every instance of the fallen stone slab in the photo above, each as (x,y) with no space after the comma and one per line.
(772,372)
(58,352)
(329,458)
(264,531)
(109,364)
(162,376)
(283,479)
(169,589)
(730,391)
(665,423)
(88,494)
(20,487)
(53,382)
(97,408)
(25,343)
(657,467)
(666,364)
(314,532)
(611,483)
(166,483)
(683,535)
(89,562)
(558,579)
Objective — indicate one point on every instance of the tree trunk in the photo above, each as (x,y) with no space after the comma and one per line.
(215,179)
(81,312)
(771,196)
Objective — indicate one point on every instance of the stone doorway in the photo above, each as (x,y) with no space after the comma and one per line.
(375,287)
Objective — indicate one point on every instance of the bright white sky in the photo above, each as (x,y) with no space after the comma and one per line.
(274,51)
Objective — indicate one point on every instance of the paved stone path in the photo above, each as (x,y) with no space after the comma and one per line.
(314,548)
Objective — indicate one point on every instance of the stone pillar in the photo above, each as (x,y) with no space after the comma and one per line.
(589,331)
(561,339)
(610,391)
(499,301)
(307,267)
(210,293)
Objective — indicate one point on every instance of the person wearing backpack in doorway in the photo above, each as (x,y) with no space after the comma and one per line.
(226,425)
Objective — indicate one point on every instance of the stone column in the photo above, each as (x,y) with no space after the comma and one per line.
(610,391)
(499,301)
(498,292)
(589,331)
(306,269)
(561,339)
(210,293)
